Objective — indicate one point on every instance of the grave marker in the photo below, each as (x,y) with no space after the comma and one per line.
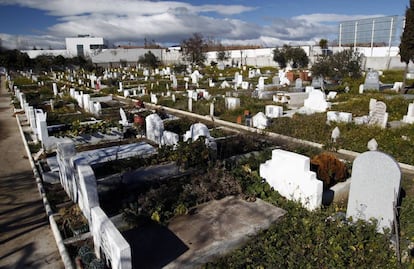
(374,188)
(289,174)
(379,116)
(372,80)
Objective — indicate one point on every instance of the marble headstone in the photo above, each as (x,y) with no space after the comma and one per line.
(379,115)
(374,189)
(154,128)
(372,80)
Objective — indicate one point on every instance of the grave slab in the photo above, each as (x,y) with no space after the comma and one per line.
(218,227)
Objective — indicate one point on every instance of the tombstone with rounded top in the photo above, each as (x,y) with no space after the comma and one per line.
(374,189)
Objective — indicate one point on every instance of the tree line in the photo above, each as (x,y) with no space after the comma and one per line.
(16,60)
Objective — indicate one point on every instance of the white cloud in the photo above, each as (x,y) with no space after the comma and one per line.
(31,41)
(331,17)
(170,22)
(136,7)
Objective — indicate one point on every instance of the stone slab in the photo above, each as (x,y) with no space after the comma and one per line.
(217,227)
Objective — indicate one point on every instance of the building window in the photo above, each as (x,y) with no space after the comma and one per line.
(79,49)
(95,46)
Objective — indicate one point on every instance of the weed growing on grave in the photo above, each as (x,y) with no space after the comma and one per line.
(304,239)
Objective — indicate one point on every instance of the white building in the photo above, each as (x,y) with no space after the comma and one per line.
(84,45)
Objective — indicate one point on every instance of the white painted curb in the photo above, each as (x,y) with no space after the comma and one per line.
(59,241)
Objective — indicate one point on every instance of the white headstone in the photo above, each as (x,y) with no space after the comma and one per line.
(289,174)
(374,189)
(379,116)
(232,103)
(260,121)
(409,118)
(335,116)
(298,83)
(273,111)
(154,98)
(55,90)
(169,138)
(212,109)
(196,130)
(331,95)
(124,119)
(108,240)
(397,86)
(316,101)
(372,144)
(174,84)
(154,128)
(190,104)
(335,134)
(260,84)
(224,85)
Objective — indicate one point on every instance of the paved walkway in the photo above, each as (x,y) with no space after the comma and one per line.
(26,240)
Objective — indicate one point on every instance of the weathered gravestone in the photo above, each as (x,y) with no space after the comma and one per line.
(409,118)
(232,103)
(154,128)
(273,111)
(317,82)
(109,241)
(124,119)
(374,189)
(298,84)
(336,133)
(169,138)
(316,102)
(260,121)
(260,84)
(372,80)
(276,80)
(379,115)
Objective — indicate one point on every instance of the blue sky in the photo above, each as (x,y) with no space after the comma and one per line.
(45,23)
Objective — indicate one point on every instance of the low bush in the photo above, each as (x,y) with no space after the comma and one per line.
(329,169)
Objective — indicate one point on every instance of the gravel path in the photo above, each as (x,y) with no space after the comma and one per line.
(25,237)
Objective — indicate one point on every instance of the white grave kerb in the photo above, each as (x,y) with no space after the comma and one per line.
(289,174)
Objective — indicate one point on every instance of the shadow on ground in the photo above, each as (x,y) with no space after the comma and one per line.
(153,246)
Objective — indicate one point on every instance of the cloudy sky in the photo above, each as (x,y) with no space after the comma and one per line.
(45,23)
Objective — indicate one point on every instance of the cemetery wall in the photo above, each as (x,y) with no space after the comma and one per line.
(378,58)
(121,54)
(384,63)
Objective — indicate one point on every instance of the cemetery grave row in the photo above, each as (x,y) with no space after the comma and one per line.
(157,139)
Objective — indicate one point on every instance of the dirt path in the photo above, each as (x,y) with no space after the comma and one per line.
(26,240)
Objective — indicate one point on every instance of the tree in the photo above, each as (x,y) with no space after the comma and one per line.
(323,43)
(14,59)
(194,49)
(407,39)
(279,57)
(222,53)
(149,60)
(295,56)
(346,63)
